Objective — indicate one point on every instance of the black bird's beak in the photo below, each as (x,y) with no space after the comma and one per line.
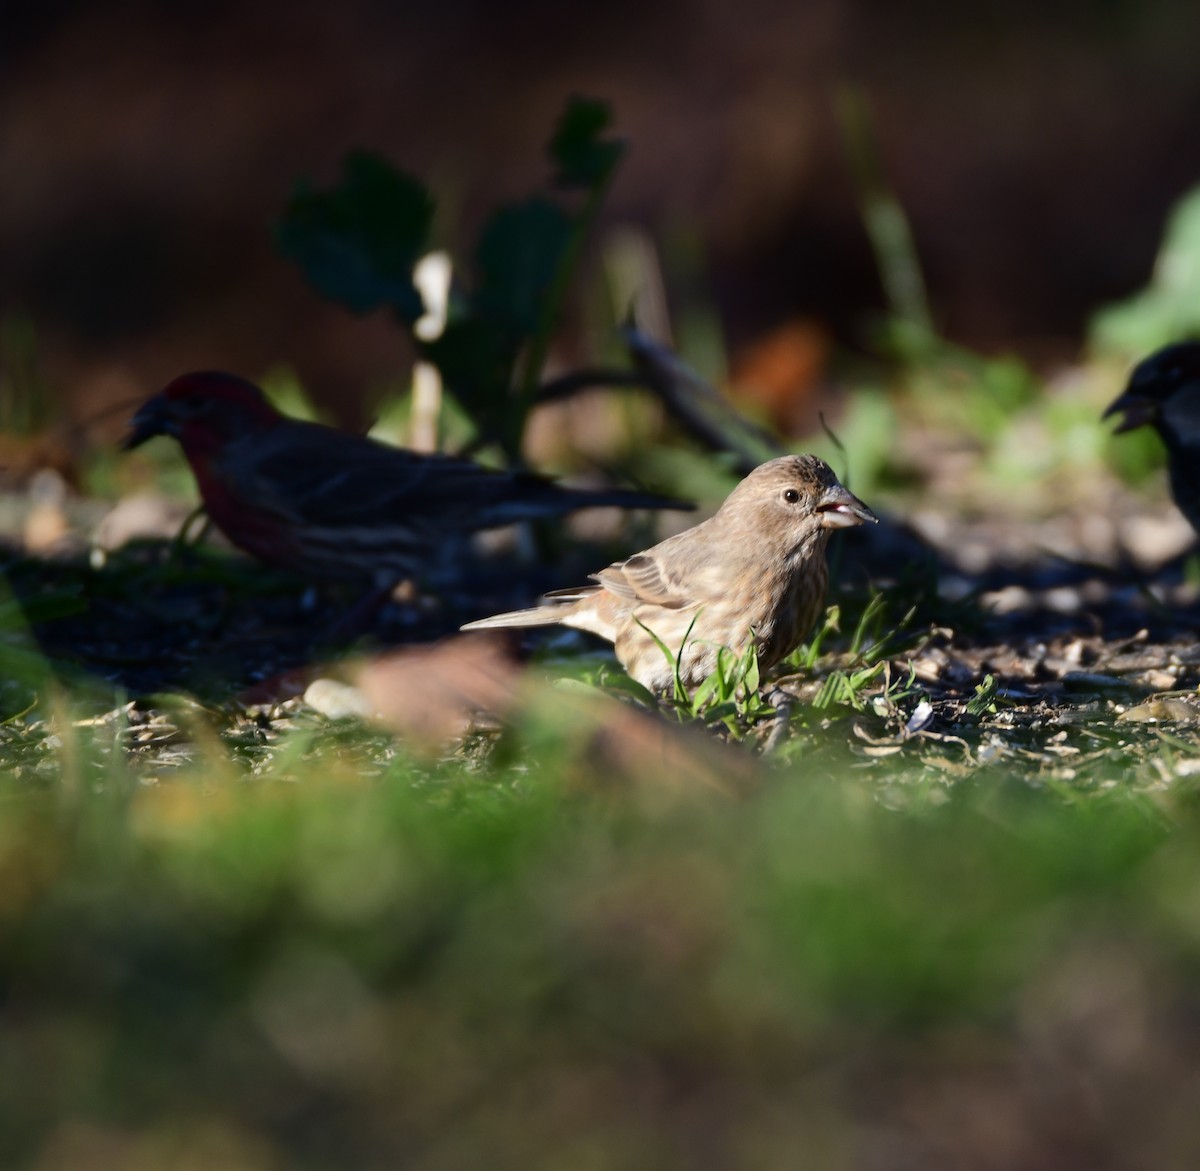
(840,509)
(153,417)
(1137,411)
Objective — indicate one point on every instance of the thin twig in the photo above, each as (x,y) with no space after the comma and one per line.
(782,703)
(698,407)
(569,385)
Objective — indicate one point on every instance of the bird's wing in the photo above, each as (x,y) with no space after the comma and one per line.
(304,472)
(645,578)
(301,471)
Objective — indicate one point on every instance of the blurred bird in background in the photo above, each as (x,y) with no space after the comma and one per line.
(333,506)
(1164,393)
(753,573)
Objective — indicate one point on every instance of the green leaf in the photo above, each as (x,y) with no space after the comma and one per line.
(17,614)
(358,242)
(517,259)
(984,699)
(750,673)
(679,693)
(619,681)
(475,358)
(1168,308)
(581,156)
(709,689)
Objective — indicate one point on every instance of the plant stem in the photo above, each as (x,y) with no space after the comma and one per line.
(539,344)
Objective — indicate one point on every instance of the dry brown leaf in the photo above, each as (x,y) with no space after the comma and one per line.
(431,694)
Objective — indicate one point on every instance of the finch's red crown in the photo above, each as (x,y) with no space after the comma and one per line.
(201,410)
(219,387)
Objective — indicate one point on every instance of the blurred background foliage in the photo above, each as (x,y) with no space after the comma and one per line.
(1036,159)
(360,244)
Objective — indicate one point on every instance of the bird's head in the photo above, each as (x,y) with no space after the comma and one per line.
(1163,392)
(203,411)
(795,497)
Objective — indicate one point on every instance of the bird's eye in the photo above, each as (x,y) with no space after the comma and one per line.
(791,495)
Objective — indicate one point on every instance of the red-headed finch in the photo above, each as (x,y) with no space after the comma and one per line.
(1164,393)
(754,572)
(334,506)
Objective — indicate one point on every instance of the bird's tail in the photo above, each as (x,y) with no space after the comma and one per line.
(538,616)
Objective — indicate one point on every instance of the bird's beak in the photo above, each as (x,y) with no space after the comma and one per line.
(840,509)
(1138,410)
(153,417)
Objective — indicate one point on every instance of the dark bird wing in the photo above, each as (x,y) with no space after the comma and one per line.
(314,474)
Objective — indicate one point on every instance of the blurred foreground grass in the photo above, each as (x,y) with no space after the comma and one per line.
(552,963)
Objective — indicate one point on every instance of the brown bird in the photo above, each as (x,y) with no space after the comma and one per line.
(753,573)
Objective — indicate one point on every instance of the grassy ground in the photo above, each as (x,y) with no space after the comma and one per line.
(246,935)
(359,959)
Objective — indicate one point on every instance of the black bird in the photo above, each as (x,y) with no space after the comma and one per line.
(1164,393)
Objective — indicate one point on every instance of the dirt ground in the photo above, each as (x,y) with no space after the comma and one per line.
(1040,644)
